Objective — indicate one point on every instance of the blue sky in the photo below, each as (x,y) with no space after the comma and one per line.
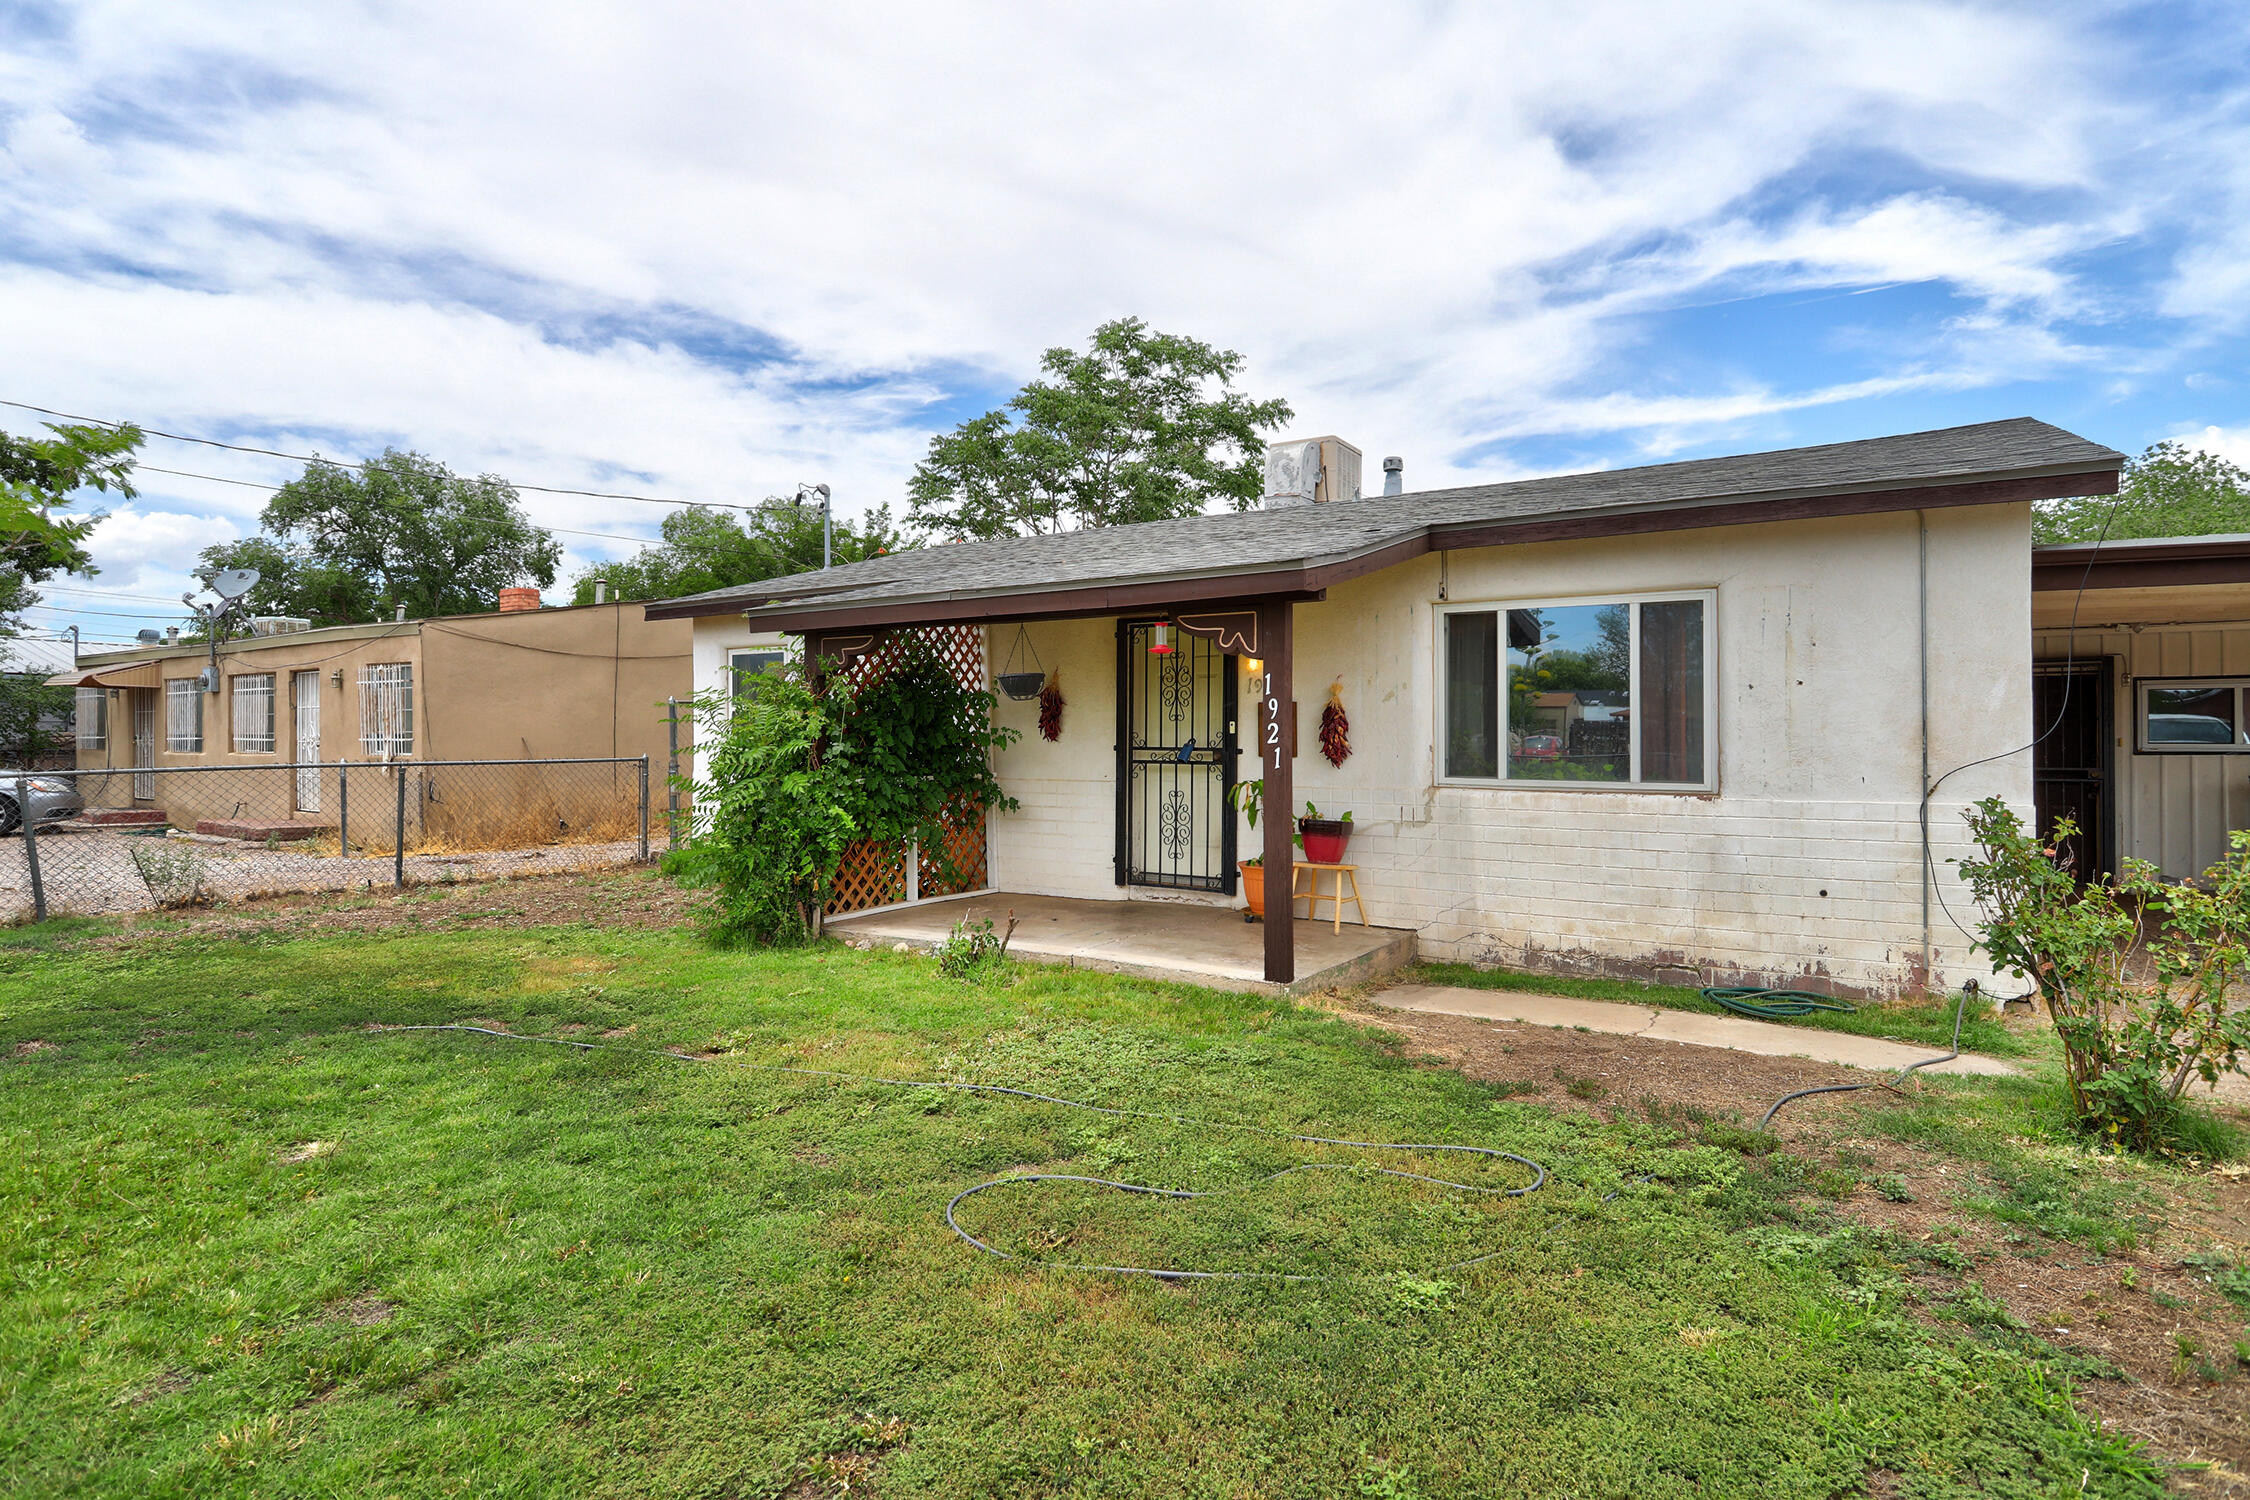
(709,252)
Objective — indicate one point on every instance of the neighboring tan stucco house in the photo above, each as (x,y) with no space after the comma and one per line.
(1766,659)
(521,683)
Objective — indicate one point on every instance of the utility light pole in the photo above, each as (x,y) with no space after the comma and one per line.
(827,518)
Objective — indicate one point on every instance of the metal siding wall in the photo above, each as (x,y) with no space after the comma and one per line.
(2174,811)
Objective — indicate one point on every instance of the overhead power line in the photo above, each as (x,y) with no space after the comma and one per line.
(274,489)
(314,458)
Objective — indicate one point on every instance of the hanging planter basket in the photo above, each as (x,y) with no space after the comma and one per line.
(1022,686)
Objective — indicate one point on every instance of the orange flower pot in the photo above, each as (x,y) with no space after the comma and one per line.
(1254,889)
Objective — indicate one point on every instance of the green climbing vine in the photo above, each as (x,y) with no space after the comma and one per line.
(806,762)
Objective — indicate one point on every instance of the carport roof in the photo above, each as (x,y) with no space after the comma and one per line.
(1302,550)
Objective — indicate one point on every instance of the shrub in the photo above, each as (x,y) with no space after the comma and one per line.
(174,877)
(973,951)
(2130,1045)
(816,759)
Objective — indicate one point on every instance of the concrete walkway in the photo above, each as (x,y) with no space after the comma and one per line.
(1740,1033)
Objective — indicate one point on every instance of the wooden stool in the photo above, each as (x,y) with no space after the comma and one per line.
(1312,897)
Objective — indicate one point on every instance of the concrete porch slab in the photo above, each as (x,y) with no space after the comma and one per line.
(1205,945)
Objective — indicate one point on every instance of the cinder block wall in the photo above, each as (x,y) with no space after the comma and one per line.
(1805,866)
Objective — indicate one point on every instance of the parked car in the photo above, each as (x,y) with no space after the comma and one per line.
(53,798)
(1541,747)
(2189,729)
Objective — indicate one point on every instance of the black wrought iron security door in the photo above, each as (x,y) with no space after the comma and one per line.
(1175,761)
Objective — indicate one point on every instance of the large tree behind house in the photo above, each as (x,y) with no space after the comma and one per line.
(1143,426)
(2170,490)
(340,546)
(705,549)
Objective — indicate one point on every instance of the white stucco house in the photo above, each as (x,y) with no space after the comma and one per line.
(1675,721)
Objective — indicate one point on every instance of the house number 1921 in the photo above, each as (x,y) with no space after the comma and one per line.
(1273,720)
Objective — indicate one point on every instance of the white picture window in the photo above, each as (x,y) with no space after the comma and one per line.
(253,713)
(744,668)
(93,718)
(183,716)
(2199,716)
(1580,692)
(386,709)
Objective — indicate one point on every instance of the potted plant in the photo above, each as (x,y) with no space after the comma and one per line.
(1250,797)
(1323,839)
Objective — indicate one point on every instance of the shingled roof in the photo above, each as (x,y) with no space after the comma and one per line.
(1302,550)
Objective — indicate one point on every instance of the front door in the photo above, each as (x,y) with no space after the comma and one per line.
(1175,760)
(305,694)
(144,743)
(2070,763)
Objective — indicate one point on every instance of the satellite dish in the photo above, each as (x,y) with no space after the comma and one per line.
(231,584)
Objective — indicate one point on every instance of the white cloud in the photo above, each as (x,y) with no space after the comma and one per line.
(1431,229)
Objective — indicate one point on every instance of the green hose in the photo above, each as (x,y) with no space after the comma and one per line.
(1774,1005)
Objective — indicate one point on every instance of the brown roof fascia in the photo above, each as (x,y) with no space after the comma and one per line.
(2065,574)
(1053,604)
(1800,508)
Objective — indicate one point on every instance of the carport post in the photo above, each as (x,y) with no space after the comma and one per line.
(398,852)
(31,848)
(1277,733)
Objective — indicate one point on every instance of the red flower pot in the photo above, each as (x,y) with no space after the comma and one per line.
(1324,839)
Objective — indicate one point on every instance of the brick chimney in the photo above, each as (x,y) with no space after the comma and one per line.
(513,600)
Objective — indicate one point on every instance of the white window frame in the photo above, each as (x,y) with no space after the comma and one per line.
(1499,608)
(96,699)
(239,686)
(175,742)
(768,656)
(375,681)
(2239,686)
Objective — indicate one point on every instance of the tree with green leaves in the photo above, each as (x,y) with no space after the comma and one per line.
(705,549)
(340,545)
(2170,490)
(39,477)
(1144,426)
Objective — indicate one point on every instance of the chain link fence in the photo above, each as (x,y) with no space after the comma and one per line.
(140,838)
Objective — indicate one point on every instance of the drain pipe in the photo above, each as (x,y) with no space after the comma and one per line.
(1922,600)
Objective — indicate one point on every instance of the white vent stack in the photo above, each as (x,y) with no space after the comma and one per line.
(1394,475)
(1311,471)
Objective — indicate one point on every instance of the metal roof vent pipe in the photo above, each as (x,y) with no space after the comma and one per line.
(1394,475)
(601,591)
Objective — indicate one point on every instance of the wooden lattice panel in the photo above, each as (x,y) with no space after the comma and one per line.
(871,874)
(963,847)
(875,875)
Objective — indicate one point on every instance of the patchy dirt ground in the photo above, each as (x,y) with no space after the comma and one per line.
(610,898)
(2144,1314)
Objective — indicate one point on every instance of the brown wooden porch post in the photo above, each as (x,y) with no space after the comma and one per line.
(1276,749)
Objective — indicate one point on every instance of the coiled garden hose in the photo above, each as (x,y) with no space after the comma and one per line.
(1538,1172)
(1775,1005)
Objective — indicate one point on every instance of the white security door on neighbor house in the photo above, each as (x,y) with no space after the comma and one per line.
(305,692)
(144,743)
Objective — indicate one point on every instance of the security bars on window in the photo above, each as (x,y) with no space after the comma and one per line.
(93,718)
(183,716)
(253,713)
(386,710)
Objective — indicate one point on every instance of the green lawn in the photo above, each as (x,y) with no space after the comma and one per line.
(1929,1022)
(251,1247)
